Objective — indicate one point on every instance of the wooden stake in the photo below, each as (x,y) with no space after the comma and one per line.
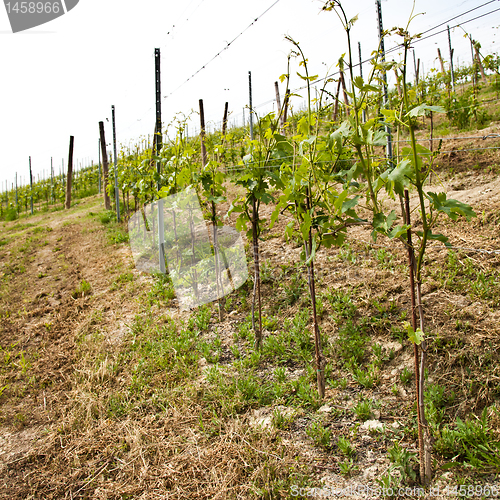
(278,104)
(344,90)
(70,172)
(336,107)
(202,135)
(397,82)
(443,71)
(425,440)
(320,359)
(104,154)
(285,110)
(480,64)
(411,268)
(256,288)
(224,120)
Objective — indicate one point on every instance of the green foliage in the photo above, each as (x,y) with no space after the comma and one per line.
(347,467)
(280,420)
(461,274)
(107,216)
(346,447)
(82,290)
(464,111)
(342,303)
(162,290)
(291,343)
(470,441)
(11,214)
(363,410)
(405,376)
(403,461)
(319,434)
(368,377)
(351,344)
(118,236)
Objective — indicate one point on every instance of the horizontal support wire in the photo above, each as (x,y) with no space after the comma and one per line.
(388,51)
(235,168)
(434,247)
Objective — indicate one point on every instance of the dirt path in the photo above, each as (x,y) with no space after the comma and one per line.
(43,267)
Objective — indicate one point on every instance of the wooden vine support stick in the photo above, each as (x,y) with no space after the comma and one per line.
(417,74)
(424,437)
(443,71)
(398,86)
(285,110)
(336,107)
(479,63)
(256,286)
(448,86)
(224,127)
(411,268)
(278,104)
(224,120)
(218,276)
(320,359)
(423,362)
(344,90)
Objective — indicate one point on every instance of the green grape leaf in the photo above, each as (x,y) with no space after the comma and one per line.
(349,204)
(400,176)
(435,237)
(313,252)
(422,110)
(415,336)
(452,208)
(306,226)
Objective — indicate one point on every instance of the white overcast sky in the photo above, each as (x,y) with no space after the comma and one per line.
(61,78)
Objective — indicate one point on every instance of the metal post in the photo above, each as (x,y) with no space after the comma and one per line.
(451,61)
(117,194)
(69,178)
(251,108)
(158,142)
(158,145)
(386,97)
(16,193)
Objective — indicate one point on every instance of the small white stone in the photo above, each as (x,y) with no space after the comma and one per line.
(325,409)
(372,425)
(370,472)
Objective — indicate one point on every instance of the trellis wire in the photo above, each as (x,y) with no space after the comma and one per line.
(435,247)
